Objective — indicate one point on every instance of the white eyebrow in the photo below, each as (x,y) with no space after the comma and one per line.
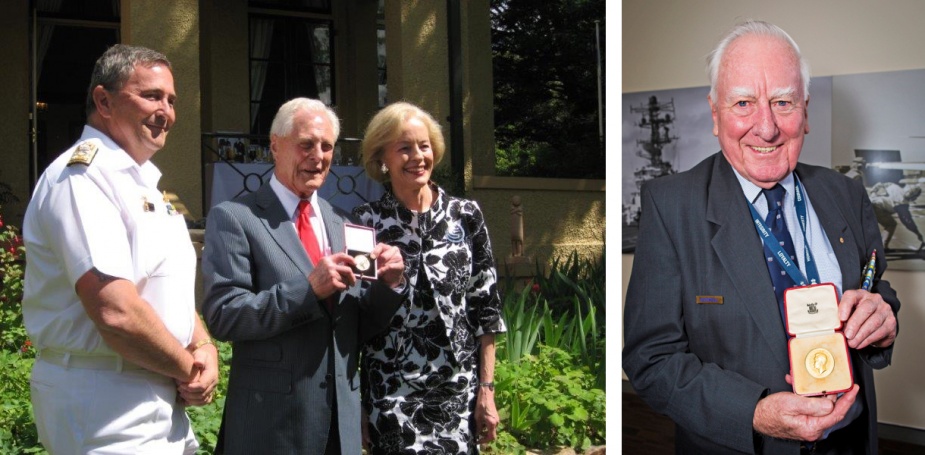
(741,92)
(745,92)
(783,92)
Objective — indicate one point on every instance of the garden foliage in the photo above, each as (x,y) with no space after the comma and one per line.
(17,430)
(545,77)
(550,369)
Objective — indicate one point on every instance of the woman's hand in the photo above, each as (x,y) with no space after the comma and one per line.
(486,416)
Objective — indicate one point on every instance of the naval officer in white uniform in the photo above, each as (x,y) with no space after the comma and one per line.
(108,299)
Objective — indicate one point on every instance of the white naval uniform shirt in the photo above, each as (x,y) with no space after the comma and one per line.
(107,215)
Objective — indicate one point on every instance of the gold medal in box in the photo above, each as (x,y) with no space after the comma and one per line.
(819,360)
(360,241)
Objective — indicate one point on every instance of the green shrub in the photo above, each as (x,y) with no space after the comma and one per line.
(504,444)
(523,319)
(550,367)
(12,332)
(207,420)
(519,158)
(17,428)
(550,400)
(572,277)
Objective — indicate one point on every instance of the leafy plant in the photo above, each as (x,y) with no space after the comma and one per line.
(518,159)
(548,400)
(12,333)
(550,369)
(523,322)
(504,444)
(207,420)
(17,430)
(571,277)
(578,335)
(17,427)
(545,105)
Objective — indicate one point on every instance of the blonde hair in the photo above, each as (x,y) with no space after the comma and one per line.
(386,127)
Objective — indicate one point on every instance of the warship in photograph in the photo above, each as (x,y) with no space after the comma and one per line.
(656,119)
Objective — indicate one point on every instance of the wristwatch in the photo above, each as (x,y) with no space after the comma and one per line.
(490,385)
(202,343)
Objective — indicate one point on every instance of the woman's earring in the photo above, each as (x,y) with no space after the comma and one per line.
(384,169)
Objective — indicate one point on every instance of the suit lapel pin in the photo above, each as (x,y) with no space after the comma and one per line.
(146,206)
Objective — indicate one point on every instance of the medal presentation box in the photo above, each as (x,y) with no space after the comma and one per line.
(361,241)
(819,360)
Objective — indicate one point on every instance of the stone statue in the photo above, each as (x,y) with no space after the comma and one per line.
(517,227)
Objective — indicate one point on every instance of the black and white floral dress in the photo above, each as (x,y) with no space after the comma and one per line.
(420,378)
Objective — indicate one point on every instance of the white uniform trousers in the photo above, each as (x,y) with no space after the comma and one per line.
(93,411)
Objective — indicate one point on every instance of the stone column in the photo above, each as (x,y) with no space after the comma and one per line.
(173,29)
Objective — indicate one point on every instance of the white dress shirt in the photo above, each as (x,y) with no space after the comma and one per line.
(290,203)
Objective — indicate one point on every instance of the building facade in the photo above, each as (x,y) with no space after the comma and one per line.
(236,61)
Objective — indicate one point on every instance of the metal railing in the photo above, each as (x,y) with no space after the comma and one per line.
(234,164)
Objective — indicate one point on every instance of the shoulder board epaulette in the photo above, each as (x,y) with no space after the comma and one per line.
(84,154)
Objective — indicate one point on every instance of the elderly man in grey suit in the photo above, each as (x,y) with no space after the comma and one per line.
(705,340)
(279,285)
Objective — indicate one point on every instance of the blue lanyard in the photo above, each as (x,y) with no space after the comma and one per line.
(783,259)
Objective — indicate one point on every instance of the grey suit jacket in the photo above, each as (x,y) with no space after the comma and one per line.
(291,358)
(707,365)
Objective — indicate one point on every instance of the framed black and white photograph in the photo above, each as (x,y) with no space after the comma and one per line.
(878,138)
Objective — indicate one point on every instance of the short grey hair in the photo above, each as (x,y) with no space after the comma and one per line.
(116,65)
(752,28)
(282,122)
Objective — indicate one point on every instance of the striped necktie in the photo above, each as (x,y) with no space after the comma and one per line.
(775,222)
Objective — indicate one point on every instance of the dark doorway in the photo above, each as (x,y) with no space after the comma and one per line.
(67,39)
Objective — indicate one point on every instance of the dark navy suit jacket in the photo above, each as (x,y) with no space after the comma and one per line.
(707,365)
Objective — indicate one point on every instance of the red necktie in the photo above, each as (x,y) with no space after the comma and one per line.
(307,233)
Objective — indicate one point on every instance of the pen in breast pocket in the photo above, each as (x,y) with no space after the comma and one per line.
(869,272)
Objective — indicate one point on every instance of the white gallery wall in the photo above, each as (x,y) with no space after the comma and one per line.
(664,45)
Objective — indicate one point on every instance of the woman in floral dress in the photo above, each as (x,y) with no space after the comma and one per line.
(428,381)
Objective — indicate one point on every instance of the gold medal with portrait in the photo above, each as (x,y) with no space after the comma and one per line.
(819,360)
(360,242)
(819,363)
(361,262)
